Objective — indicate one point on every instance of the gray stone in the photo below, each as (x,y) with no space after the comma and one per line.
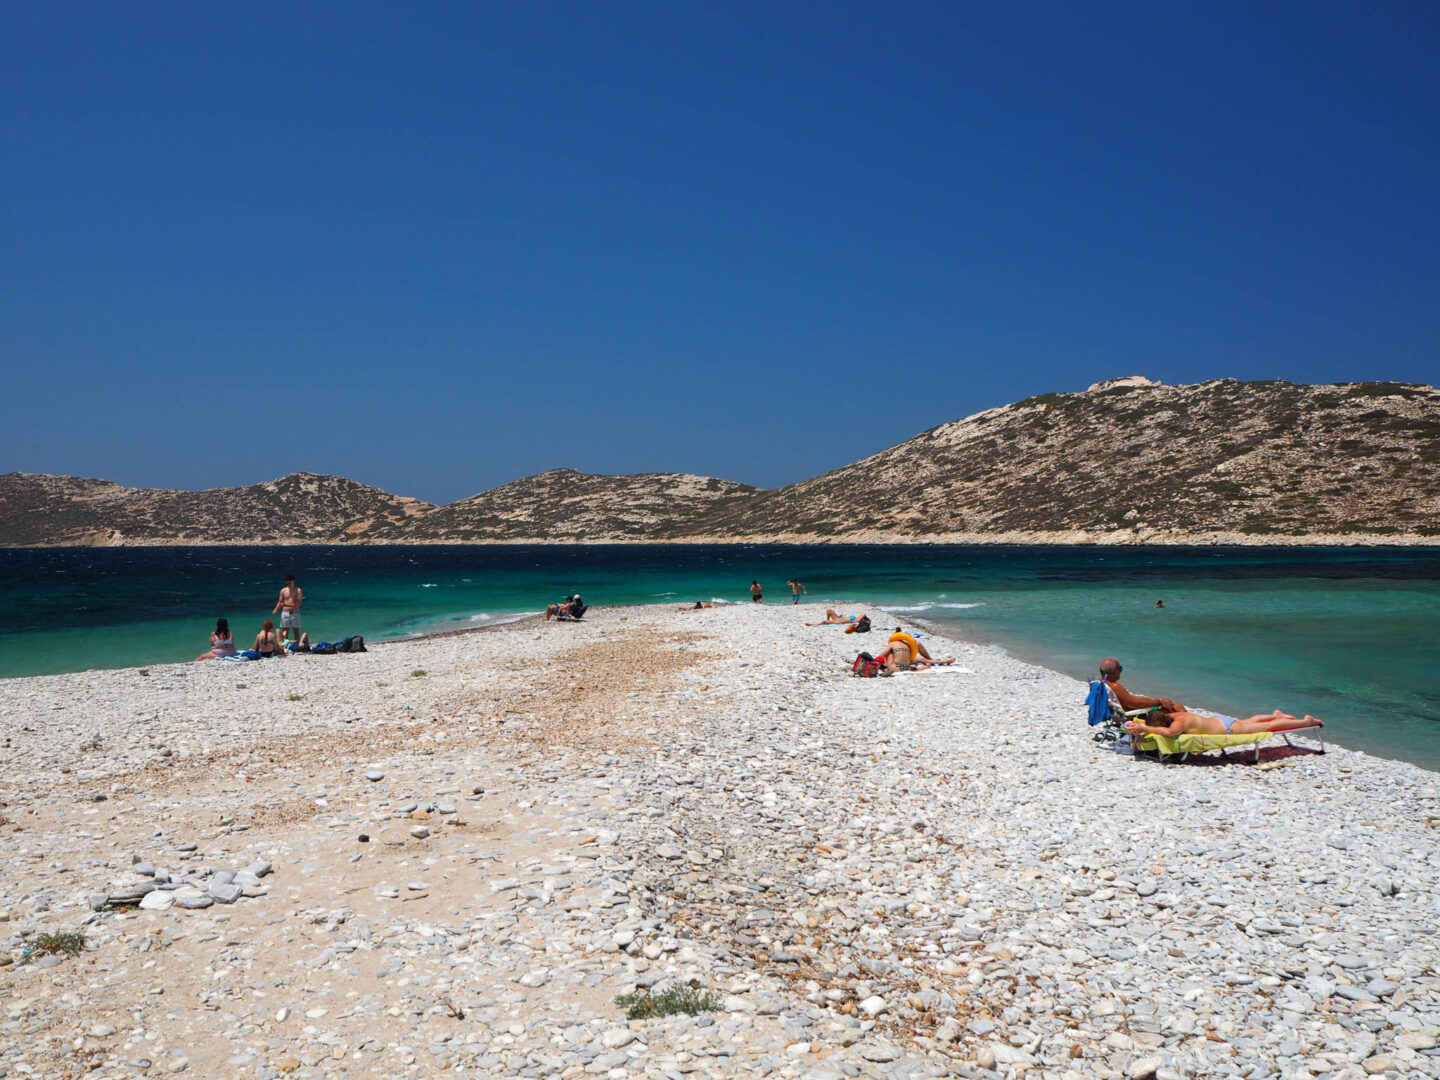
(225,892)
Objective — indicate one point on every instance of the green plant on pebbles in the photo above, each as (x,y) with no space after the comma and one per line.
(670,1001)
(295,697)
(417,673)
(56,943)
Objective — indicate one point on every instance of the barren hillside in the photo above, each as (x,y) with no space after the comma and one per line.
(300,508)
(1127,461)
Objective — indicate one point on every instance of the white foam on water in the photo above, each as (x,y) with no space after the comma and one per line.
(429,585)
(498,620)
(930,605)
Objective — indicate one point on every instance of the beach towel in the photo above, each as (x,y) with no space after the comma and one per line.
(1097,703)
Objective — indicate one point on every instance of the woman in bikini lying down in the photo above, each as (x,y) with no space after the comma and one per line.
(833,618)
(1189,723)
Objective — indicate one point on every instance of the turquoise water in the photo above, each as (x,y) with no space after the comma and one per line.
(1346,634)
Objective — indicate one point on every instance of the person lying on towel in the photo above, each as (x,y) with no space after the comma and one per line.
(1189,723)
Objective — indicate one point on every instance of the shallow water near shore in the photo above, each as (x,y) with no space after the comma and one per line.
(1346,634)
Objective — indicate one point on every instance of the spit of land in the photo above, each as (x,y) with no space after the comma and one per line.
(451,856)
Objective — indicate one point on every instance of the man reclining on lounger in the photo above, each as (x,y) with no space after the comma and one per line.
(1189,723)
(1110,671)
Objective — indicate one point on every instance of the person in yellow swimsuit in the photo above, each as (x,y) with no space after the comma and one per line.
(903,652)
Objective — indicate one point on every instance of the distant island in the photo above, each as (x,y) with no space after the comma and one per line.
(1128,461)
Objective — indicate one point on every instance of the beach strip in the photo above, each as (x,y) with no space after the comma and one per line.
(456,853)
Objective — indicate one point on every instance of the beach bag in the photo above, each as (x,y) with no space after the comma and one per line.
(324,649)
(862,625)
(867,667)
(352,644)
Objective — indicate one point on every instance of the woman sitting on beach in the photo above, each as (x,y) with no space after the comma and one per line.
(903,652)
(267,642)
(833,618)
(222,642)
(1189,723)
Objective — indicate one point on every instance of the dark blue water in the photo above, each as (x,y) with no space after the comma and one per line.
(1346,634)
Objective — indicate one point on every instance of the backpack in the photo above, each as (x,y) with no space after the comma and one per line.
(862,625)
(352,644)
(324,648)
(867,667)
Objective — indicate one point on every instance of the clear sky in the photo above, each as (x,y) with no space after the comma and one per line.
(437,247)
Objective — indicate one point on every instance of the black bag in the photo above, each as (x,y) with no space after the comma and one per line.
(351,644)
(324,649)
(862,625)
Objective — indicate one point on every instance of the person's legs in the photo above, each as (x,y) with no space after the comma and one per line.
(1276,721)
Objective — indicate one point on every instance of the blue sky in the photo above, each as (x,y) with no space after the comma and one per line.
(439,247)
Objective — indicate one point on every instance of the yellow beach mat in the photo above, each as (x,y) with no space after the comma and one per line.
(1198,744)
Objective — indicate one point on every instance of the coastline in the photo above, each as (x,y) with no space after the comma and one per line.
(1115,538)
(936,870)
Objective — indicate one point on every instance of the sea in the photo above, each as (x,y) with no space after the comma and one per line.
(1347,634)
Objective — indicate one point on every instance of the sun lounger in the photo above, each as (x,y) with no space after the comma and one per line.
(1182,746)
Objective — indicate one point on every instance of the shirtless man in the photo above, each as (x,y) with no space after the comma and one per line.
(756,593)
(290,600)
(1189,723)
(795,590)
(1110,671)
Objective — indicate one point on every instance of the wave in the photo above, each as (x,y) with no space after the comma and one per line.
(930,605)
(429,585)
(496,620)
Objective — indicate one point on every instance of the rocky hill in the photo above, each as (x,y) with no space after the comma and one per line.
(299,509)
(564,505)
(1126,461)
(1130,460)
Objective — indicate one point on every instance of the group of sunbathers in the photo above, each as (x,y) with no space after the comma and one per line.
(1174,719)
(903,652)
(571,609)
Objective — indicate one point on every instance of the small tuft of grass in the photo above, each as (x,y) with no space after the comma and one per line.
(418,673)
(295,697)
(319,920)
(675,999)
(59,943)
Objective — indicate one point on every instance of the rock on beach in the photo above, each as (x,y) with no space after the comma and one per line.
(936,874)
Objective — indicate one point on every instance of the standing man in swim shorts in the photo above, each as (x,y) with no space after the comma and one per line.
(755,593)
(795,590)
(290,599)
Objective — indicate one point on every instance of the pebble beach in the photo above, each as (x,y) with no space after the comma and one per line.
(450,856)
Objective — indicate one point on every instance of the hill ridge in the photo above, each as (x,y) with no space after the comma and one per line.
(1127,460)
